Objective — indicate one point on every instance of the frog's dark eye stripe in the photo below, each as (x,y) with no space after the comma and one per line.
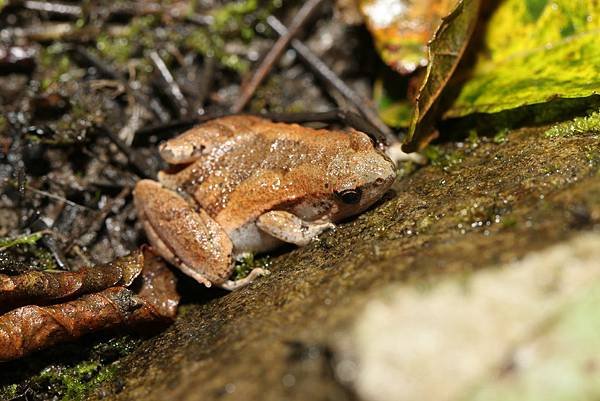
(350,196)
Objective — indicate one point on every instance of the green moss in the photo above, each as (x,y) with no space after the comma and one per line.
(579,125)
(509,222)
(234,20)
(212,45)
(500,137)
(74,383)
(118,49)
(249,262)
(29,239)
(3,124)
(55,65)
(404,169)
(473,138)
(230,17)
(70,372)
(122,46)
(440,157)
(11,391)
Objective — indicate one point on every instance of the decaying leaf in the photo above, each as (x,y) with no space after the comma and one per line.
(156,286)
(537,50)
(402,29)
(46,287)
(445,52)
(31,328)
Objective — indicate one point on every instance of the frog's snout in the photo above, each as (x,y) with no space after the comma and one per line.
(175,154)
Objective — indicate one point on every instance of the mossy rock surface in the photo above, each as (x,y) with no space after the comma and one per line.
(274,340)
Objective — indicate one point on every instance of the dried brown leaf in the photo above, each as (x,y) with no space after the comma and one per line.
(31,328)
(446,50)
(47,287)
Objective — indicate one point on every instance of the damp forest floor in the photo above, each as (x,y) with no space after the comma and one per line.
(479,203)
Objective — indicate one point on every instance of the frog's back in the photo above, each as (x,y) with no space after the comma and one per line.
(263,166)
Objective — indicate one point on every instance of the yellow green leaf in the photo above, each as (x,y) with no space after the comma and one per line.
(535,51)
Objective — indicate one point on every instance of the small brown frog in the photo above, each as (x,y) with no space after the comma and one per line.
(244,184)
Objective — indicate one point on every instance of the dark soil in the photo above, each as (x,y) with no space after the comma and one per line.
(79,109)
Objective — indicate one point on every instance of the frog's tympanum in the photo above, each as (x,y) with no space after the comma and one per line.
(244,184)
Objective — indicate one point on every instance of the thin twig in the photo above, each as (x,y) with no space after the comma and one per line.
(140,166)
(50,243)
(200,19)
(100,65)
(247,90)
(104,69)
(173,91)
(208,72)
(91,233)
(349,118)
(65,10)
(56,197)
(17,58)
(118,11)
(325,73)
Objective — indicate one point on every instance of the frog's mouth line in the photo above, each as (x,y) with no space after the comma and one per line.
(176,168)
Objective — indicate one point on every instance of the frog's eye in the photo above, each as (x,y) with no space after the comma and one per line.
(350,196)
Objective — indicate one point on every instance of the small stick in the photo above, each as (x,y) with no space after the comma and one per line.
(56,197)
(173,125)
(107,71)
(91,233)
(325,73)
(103,67)
(336,115)
(65,10)
(140,166)
(247,90)
(208,73)
(349,118)
(199,19)
(174,91)
(51,243)
(17,58)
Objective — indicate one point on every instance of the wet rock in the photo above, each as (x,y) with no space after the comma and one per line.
(514,329)
(495,204)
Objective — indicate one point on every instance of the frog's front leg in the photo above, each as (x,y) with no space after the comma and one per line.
(290,228)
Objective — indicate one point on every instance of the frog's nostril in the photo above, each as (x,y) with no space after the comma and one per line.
(379,181)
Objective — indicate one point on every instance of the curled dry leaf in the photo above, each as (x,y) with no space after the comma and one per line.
(445,53)
(45,287)
(157,287)
(402,28)
(31,328)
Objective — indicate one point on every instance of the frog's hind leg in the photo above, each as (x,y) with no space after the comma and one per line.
(187,237)
(290,228)
(163,250)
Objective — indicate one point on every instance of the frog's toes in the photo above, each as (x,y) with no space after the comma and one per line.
(232,285)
